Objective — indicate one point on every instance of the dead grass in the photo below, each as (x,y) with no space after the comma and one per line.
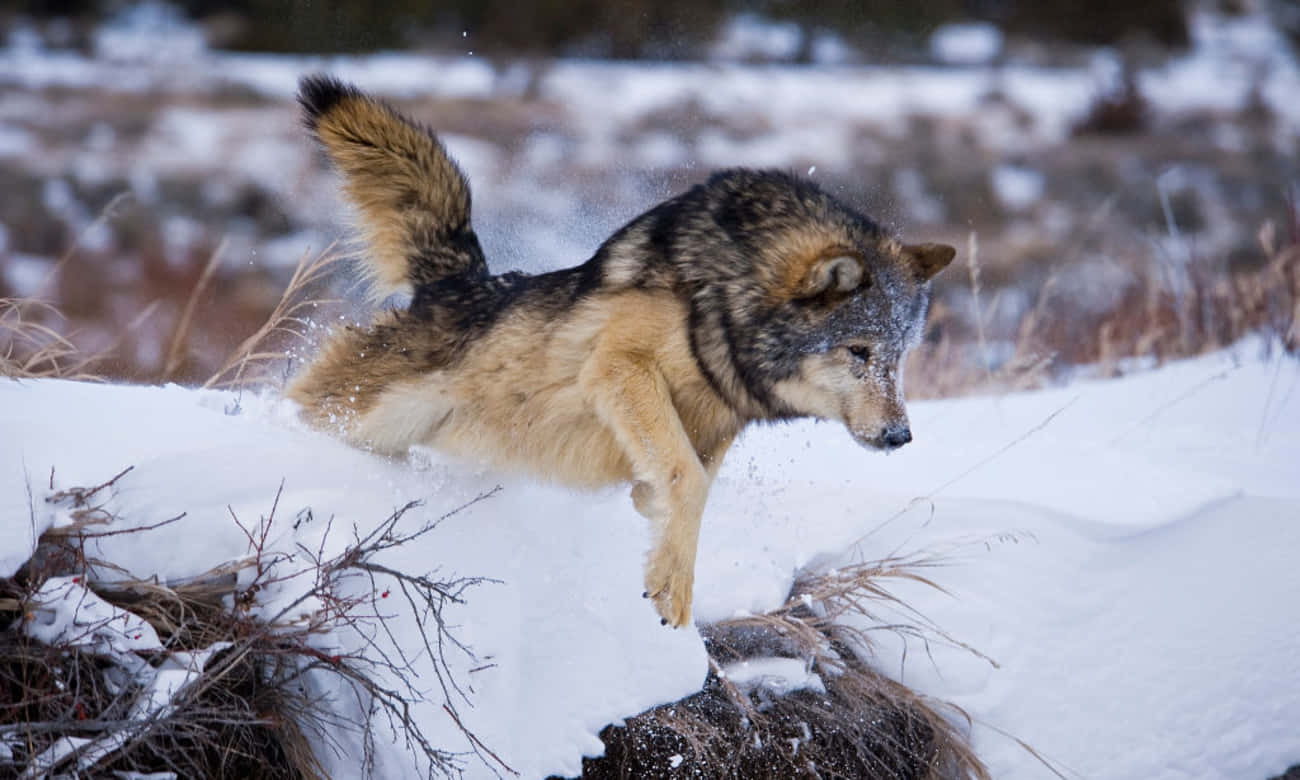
(863,725)
(31,349)
(181,334)
(34,342)
(288,324)
(1176,308)
(250,712)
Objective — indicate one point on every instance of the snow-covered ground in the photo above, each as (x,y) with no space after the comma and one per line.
(1122,552)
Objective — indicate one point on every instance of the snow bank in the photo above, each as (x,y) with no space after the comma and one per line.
(569,643)
(1122,550)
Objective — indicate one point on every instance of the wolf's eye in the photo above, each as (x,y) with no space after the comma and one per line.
(860,352)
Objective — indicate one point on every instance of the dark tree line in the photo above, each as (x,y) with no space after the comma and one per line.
(631,29)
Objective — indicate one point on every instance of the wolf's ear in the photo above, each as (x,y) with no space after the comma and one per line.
(929,259)
(837,273)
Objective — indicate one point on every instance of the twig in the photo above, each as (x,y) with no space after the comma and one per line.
(182,332)
(856,543)
(972,258)
(81,496)
(1183,396)
(477,742)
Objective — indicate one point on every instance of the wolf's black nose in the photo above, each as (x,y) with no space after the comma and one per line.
(896,437)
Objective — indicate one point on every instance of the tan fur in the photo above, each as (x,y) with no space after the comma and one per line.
(401,181)
(755,296)
(612,396)
(929,258)
(823,389)
(798,257)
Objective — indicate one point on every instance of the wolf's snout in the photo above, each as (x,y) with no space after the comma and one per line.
(896,437)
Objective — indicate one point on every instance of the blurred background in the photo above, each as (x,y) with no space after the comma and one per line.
(1120,177)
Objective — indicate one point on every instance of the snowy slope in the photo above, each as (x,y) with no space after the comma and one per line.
(1123,550)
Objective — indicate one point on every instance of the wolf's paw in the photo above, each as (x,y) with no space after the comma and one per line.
(669,580)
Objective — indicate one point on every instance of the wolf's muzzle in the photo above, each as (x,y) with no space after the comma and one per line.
(893,438)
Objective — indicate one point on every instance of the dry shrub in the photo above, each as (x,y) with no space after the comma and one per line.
(240,721)
(1121,111)
(34,342)
(863,725)
(247,712)
(1179,308)
(81,322)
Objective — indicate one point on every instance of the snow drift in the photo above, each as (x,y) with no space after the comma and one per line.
(1119,553)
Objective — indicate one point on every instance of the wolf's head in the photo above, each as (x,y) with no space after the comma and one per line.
(806,307)
(850,320)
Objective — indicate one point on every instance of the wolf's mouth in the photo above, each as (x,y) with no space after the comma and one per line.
(881,440)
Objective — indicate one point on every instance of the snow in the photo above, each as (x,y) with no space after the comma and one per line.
(777,675)
(972,43)
(569,642)
(24,274)
(1121,549)
(749,36)
(1016,186)
(69,613)
(153,32)
(16,141)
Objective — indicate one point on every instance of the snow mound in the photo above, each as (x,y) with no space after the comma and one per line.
(1121,549)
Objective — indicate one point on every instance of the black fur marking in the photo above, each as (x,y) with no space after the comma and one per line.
(473,303)
(730,216)
(319,93)
(693,327)
(466,242)
(756,389)
(444,254)
(589,276)
(665,222)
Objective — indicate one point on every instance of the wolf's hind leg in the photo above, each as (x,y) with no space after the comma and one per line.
(632,398)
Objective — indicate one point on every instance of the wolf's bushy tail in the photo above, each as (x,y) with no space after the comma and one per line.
(413,200)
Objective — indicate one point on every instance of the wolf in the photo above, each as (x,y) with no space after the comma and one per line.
(755,296)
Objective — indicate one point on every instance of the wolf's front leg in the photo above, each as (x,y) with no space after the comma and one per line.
(682,504)
(670,570)
(631,396)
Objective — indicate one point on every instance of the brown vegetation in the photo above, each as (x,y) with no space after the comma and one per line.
(862,725)
(1181,308)
(248,712)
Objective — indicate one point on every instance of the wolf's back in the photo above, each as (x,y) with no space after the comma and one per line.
(412,199)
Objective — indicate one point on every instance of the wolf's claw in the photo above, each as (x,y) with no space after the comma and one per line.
(669,582)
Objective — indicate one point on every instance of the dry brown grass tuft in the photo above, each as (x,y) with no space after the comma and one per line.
(34,344)
(30,349)
(288,324)
(1182,307)
(181,334)
(862,725)
(242,718)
